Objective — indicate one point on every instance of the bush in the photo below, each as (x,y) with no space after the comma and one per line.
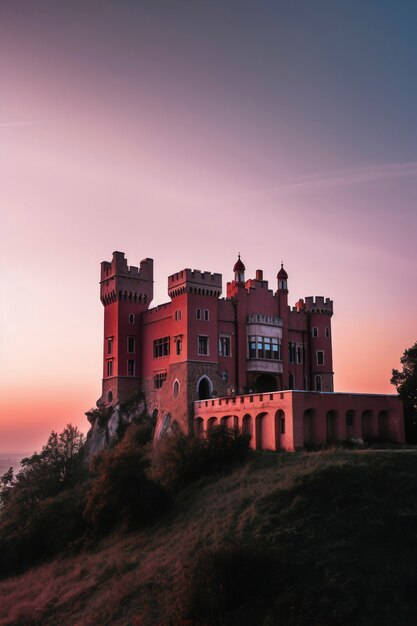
(28,537)
(121,491)
(181,459)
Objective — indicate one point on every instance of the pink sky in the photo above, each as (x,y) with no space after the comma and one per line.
(162,147)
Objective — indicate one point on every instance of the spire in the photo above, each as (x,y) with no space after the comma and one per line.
(282,277)
(239,270)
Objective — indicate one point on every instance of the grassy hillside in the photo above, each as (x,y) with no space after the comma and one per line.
(315,539)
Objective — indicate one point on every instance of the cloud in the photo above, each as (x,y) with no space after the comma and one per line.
(349,177)
(26,123)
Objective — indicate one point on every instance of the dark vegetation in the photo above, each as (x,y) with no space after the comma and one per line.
(56,499)
(201,530)
(405,382)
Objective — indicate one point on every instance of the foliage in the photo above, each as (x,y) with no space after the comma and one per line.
(40,513)
(180,459)
(46,473)
(121,491)
(406,383)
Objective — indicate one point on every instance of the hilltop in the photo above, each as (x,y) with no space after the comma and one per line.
(305,538)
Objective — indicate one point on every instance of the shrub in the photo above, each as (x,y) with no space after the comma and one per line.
(181,459)
(121,491)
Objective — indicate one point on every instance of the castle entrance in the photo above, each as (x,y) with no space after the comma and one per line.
(266,382)
(204,390)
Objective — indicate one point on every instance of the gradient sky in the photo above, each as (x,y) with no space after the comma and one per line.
(187,131)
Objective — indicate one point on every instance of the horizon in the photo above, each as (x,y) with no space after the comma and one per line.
(188,133)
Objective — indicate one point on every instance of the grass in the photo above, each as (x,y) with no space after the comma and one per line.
(337,531)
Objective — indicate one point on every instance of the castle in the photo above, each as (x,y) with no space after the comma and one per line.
(248,360)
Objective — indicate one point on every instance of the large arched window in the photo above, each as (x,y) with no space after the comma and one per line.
(204,388)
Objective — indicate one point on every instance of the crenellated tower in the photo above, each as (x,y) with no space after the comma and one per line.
(126,293)
(319,312)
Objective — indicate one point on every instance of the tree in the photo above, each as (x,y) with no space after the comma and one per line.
(406,383)
(45,473)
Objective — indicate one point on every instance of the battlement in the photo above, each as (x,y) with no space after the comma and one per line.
(121,282)
(118,267)
(315,304)
(194,281)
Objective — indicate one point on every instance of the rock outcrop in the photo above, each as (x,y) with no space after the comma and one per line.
(108,424)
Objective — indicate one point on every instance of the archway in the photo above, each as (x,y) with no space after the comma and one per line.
(367,425)
(259,433)
(309,419)
(350,424)
(265,383)
(247,426)
(199,427)
(331,430)
(279,429)
(226,421)
(204,388)
(384,426)
(211,423)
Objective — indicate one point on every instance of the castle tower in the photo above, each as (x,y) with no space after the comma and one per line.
(126,293)
(319,313)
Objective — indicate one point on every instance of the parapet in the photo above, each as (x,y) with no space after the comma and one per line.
(118,267)
(195,281)
(121,282)
(316,304)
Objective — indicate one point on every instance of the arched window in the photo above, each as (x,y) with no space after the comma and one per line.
(176,388)
(131,318)
(110,396)
(318,383)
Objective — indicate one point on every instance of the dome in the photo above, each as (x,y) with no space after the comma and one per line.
(282,274)
(239,267)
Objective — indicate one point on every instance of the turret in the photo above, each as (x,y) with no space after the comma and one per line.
(239,271)
(125,293)
(282,278)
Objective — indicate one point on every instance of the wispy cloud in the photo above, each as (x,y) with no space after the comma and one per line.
(26,123)
(349,177)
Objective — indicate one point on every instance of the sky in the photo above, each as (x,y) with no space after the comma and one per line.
(188,131)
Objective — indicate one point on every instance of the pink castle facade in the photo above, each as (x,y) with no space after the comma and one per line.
(248,360)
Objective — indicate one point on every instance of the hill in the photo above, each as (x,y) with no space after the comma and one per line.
(307,538)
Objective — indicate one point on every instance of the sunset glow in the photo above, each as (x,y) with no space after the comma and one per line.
(187,132)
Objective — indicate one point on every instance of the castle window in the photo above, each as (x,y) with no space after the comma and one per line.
(327,332)
(282,425)
(159,379)
(299,355)
(264,348)
(176,389)
(131,345)
(291,352)
(131,318)
(224,346)
(206,315)
(109,368)
(198,314)
(110,396)
(318,383)
(178,315)
(320,357)
(110,345)
(315,331)
(203,345)
(291,381)
(161,347)
(131,367)
(178,345)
